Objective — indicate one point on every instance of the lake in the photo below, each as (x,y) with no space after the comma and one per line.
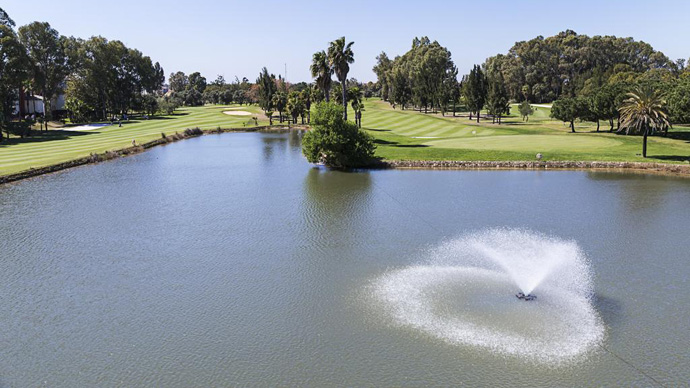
(228,260)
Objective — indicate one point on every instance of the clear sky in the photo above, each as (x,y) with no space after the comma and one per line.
(237,38)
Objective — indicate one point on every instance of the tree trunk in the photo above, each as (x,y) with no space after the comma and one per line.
(611,123)
(644,144)
(572,126)
(453,108)
(597,125)
(478,113)
(470,115)
(344,98)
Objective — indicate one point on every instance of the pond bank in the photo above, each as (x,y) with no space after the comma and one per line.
(662,168)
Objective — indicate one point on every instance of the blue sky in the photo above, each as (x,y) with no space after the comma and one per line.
(237,38)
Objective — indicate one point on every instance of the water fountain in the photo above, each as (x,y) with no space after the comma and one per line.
(464,294)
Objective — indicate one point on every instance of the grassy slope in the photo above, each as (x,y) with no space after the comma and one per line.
(411,135)
(57,146)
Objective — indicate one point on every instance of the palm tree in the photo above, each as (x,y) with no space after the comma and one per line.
(322,71)
(644,111)
(357,105)
(340,56)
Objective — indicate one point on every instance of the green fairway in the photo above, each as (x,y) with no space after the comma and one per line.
(413,135)
(57,146)
(400,135)
(527,143)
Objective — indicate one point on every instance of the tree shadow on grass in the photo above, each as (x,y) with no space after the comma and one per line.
(40,137)
(396,144)
(378,130)
(411,145)
(384,142)
(684,136)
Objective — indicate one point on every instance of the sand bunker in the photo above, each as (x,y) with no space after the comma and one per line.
(87,127)
(238,113)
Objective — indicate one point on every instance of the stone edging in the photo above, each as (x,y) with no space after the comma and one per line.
(679,169)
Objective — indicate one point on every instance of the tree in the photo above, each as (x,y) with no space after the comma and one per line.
(149,104)
(382,70)
(5,19)
(50,68)
(644,112)
(168,105)
(13,71)
(295,106)
(266,88)
(475,90)
(340,56)
(567,64)
(178,81)
(355,97)
(108,76)
(526,110)
(197,82)
(322,71)
(401,92)
(336,142)
(280,103)
(679,101)
(497,98)
(569,109)
(307,98)
(220,81)
(604,105)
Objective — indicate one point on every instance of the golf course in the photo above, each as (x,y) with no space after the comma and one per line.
(413,135)
(399,135)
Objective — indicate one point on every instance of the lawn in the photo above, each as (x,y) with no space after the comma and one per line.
(413,135)
(57,146)
(400,135)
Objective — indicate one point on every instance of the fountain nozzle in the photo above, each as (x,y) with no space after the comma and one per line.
(526,298)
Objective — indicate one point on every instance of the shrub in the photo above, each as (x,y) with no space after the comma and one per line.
(193,132)
(336,142)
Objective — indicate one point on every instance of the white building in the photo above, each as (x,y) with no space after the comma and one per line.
(28,105)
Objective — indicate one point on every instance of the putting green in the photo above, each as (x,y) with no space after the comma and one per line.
(533,143)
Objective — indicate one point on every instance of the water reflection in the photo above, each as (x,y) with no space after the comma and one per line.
(637,191)
(335,198)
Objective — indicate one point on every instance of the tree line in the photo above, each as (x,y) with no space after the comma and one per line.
(426,78)
(293,101)
(99,77)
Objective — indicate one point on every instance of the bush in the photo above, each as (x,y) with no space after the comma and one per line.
(193,132)
(335,142)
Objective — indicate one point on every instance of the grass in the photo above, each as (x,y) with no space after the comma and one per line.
(413,135)
(400,135)
(57,146)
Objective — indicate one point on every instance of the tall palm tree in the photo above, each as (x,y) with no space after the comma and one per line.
(322,71)
(340,56)
(644,111)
